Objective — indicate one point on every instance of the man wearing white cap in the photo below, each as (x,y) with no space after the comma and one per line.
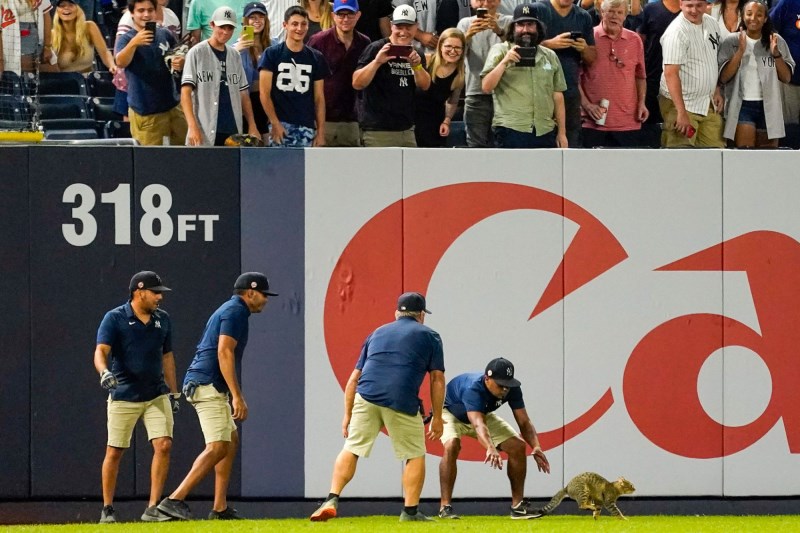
(198,20)
(214,88)
(388,74)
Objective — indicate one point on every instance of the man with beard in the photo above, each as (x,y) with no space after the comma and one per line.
(134,359)
(528,82)
(469,403)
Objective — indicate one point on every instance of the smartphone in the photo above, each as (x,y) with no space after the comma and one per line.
(150,26)
(248,33)
(527,56)
(575,35)
(482,12)
(400,50)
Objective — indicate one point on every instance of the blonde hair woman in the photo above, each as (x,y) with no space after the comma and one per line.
(320,16)
(255,15)
(435,107)
(75,40)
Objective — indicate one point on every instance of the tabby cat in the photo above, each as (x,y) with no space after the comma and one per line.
(592,491)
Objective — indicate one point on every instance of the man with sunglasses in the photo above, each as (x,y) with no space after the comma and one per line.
(341,45)
(617,79)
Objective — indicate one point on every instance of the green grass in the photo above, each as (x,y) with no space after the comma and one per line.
(474,524)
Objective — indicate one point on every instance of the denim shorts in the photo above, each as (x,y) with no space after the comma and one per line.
(752,112)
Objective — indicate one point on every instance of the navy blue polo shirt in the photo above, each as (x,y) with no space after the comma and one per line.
(137,352)
(468,392)
(231,320)
(393,362)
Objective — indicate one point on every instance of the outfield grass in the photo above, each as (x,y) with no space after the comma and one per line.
(473,524)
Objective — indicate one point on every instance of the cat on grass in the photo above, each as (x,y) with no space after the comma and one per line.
(594,492)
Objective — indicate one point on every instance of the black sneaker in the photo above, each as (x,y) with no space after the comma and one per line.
(107,515)
(419,517)
(175,508)
(152,514)
(228,514)
(447,512)
(522,511)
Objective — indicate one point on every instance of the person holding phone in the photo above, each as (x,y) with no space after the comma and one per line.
(153,103)
(569,32)
(528,100)
(428,14)
(486,29)
(251,45)
(388,85)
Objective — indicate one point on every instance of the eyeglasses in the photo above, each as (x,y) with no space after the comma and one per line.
(345,14)
(613,57)
(450,48)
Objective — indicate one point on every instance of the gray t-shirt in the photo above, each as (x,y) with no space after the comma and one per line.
(478,50)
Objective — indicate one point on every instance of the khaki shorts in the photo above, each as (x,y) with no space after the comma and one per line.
(150,130)
(709,128)
(406,432)
(342,134)
(499,429)
(215,413)
(122,418)
(376,139)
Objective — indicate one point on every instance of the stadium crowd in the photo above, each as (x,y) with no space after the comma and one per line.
(494,73)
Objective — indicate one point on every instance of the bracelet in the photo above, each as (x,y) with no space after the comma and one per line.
(417,67)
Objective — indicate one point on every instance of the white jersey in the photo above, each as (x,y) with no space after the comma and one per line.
(275,12)
(694,47)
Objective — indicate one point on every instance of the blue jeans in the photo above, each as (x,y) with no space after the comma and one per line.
(478,114)
(508,138)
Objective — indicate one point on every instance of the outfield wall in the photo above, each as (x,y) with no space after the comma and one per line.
(647,299)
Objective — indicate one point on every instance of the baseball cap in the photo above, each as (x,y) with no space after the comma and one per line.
(502,372)
(340,5)
(223,16)
(147,280)
(523,12)
(404,15)
(254,7)
(254,280)
(412,302)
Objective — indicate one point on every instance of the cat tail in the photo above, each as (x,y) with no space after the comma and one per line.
(554,502)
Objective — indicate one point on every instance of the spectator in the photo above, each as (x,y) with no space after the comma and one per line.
(481,34)
(427,13)
(690,99)
(617,76)
(212,386)
(528,99)
(656,17)
(753,64)
(470,400)
(75,40)
(436,106)
(320,16)
(388,84)
(198,21)
(255,15)
(383,391)
(214,94)
(341,46)
(153,104)
(375,20)
(728,14)
(569,33)
(292,87)
(631,18)
(34,24)
(275,12)
(134,358)
(784,20)
(165,18)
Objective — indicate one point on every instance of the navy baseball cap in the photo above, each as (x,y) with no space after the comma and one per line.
(524,12)
(502,372)
(254,280)
(412,302)
(147,280)
(345,5)
(254,7)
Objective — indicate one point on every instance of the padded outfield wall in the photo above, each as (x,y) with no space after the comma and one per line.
(648,298)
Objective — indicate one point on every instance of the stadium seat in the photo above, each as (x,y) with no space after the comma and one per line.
(12,84)
(100,84)
(117,129)
(59,83)
(15,112)
(64,106)
(103,109)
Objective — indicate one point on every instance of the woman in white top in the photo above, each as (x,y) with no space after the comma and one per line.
(728,14)
(753,63)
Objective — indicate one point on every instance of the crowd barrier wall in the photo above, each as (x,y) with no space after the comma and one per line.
(647,299)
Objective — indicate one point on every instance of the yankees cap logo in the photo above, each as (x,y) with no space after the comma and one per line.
(526,10)
(228,14)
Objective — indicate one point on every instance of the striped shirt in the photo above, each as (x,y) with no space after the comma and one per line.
(693,47)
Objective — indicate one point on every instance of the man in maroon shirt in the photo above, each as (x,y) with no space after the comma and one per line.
(342,46)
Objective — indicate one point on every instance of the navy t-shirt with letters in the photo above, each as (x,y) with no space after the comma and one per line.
(468,392)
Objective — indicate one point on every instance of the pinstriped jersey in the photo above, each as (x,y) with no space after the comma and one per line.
(694,47)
